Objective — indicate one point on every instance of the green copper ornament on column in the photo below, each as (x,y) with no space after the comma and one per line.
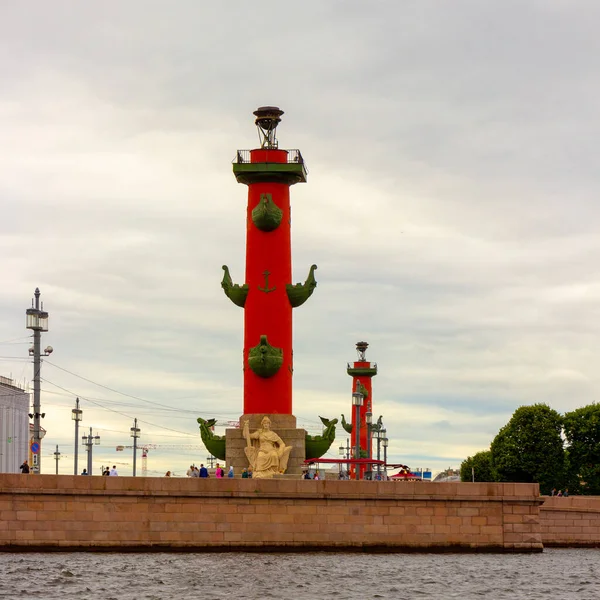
(235,292)
(267,215)
(298,294)
(265,360)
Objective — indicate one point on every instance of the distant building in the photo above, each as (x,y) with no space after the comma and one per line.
(448,475)
(14,426)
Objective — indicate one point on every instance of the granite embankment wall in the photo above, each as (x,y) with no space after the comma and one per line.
(572,521)
(50,512)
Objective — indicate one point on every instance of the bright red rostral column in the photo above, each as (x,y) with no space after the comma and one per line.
(268,310)
(268,295)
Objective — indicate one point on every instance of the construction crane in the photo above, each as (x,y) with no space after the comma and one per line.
(226,424)
(146,447)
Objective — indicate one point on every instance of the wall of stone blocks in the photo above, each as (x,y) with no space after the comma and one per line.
(572,521)
(120,513)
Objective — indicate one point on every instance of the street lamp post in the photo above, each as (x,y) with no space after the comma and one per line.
(357,401)
(382,436)
(345,451)
(210,460)
(369,422)
(89,441)
(384,441)
(376,436)
(76,415)
(135,434)
(56,458)
(37,321)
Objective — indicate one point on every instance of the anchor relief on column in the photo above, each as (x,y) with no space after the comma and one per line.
(266,289)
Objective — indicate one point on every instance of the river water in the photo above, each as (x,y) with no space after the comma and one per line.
(555,574)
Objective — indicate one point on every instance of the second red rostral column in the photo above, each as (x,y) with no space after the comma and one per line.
(362,372)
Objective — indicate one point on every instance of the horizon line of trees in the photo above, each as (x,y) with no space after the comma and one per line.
(539,445)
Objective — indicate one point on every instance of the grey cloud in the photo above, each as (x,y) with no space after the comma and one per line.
(451,204)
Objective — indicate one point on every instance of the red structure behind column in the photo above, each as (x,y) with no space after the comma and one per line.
(363,371)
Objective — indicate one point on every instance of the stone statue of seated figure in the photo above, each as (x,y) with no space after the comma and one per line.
(266,451)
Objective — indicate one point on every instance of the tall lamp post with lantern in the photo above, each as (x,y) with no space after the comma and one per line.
(77,416)
(384,442)
(344,452)
(37,321)
(375,435)
(56,458)
(135,434)
(369,422)
(90,441)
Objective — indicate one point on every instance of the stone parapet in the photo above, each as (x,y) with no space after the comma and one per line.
(570,522)
(115,513)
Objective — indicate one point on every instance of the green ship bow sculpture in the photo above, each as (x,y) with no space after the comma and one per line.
(215,444)
(234,291)
(317,445)
(267,215)
(298,294)
(265,360)
(347,426)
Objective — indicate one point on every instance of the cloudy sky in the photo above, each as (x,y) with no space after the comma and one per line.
(451,207)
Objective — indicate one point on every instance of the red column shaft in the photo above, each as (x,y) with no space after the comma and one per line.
(267,310)
(367,406)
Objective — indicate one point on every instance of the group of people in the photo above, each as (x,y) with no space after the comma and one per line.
(25,469)
(560,492)
(194,471)
(106,472)
(342,475)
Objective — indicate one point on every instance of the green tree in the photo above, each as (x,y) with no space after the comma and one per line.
(582,431)
(480,464)
(529,448)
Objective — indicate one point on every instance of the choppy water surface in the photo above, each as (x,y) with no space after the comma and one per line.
(562,574)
